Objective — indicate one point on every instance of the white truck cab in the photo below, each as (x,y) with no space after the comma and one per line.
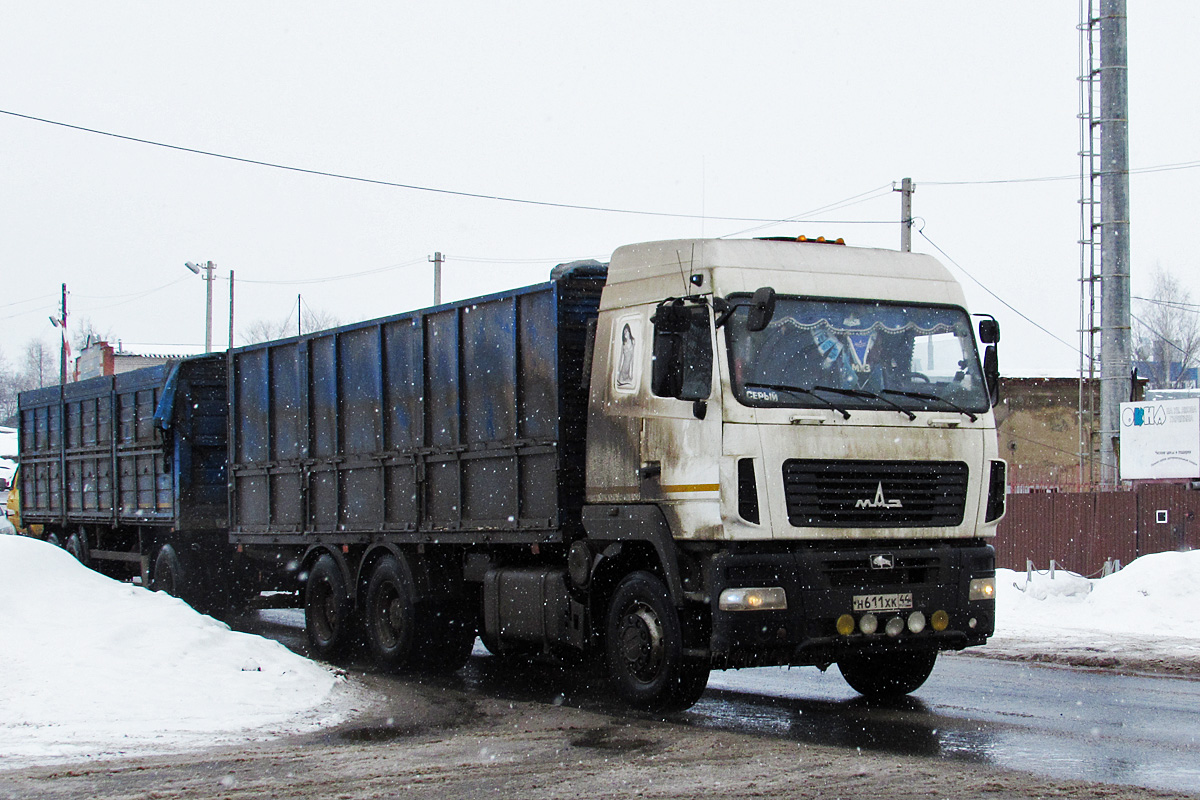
(814,423)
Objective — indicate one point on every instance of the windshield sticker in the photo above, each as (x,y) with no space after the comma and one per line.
(860,346)
(626,352)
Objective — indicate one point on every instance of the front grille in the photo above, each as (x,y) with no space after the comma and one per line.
(909,569)
(874,494)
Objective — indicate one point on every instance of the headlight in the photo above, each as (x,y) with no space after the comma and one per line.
(767,599)
(982,589)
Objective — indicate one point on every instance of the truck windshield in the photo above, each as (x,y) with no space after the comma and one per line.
(880,354)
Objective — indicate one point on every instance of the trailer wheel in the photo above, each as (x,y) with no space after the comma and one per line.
(77,546)
(886,675)
(168,575)
(327,610)
(390,613)
(643,646)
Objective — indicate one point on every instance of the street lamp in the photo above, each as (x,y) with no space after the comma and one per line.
(208,268)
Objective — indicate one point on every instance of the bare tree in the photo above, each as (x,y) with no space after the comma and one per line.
(311,320)
(40,366)
(1166,332)
(8,389)
(85,332)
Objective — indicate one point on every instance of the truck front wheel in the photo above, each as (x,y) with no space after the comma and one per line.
(884,675)
(644,647)
(327,610)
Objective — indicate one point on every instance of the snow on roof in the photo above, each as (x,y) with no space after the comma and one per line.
(8,442)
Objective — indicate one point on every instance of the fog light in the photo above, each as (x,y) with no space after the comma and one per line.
(972,623)
(916,621)
(763,599)
(845,624)
(940,620)
(868,624)
(895,626)
(982,589)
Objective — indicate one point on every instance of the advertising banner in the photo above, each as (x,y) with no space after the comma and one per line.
(1160,439)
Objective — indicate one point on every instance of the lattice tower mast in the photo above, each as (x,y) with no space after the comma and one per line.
(1105,341)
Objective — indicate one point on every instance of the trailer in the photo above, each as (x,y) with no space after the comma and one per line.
(132,482)
(703,454)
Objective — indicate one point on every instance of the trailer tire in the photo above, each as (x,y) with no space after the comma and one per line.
(328,610)
(390,614)
(77,546)
(887,675)
(643,646)
(168,575)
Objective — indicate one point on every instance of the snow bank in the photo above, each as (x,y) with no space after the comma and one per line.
(1147,616)
(90,667)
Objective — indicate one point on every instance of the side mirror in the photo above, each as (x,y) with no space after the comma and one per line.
(991,372)
(989,331)
(762,309)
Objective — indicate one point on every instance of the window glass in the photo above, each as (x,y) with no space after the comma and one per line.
(856,354)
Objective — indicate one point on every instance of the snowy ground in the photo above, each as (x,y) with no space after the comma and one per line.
(91,668)
(1144,618)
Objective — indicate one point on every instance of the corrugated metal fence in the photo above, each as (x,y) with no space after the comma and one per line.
(1081,530)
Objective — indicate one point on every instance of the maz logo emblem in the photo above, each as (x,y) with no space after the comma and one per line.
(883,561)
(879,501)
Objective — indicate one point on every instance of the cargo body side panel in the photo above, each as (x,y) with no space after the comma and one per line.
(458,424)
(97,454)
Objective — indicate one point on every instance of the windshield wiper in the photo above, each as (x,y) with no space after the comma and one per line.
(778,387)
(934,397)
(870,395)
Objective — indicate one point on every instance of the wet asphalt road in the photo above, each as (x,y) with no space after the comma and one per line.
(1053,721)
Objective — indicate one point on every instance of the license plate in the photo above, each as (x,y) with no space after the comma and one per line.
(882,602)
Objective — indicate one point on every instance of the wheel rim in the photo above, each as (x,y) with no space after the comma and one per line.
(642,642)
(325,608)
(389,616)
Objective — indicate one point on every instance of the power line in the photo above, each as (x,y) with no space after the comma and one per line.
(1193,307)
(411,186)
(1007,304)
(346,276)
(1145,325)
(1049,178)
(861,197)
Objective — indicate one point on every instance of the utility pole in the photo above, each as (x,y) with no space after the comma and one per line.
(906,218)
(437,260)
(62,357)
(208,268)
(1115,347)
(230,309)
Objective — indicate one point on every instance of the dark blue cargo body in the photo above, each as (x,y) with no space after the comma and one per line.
(461,423)
(117,451)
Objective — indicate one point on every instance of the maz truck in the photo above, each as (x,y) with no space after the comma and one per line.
(705,454)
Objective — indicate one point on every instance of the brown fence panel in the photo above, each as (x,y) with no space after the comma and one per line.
(1080,531)
(1114,531)
(1167,518)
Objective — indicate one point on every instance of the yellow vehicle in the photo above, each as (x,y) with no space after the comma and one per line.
(13,509)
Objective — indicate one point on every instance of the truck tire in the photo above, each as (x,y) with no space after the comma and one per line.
(168,574)
(390,614)
(643,644)
(887,675)
(328,610)
(450,619)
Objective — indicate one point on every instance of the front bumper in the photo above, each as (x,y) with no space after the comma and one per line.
(821,583)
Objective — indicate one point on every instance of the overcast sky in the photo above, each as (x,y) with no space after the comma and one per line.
(716,112)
